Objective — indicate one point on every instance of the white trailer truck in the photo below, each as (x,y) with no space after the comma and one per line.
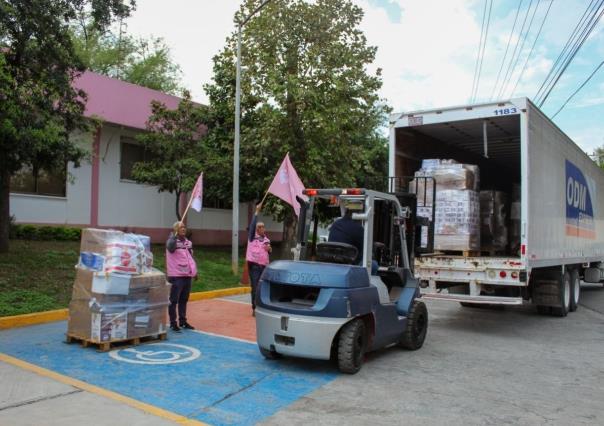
(561,200)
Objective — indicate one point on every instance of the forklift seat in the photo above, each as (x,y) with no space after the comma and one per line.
(337,253)
(392,276)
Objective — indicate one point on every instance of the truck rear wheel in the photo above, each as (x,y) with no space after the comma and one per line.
(564,287)
(417,327)
(552,292)
(575,290)
(351,346)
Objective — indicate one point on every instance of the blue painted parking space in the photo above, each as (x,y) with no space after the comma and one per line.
(209,378)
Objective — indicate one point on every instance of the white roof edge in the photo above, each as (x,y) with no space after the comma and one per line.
(396,116)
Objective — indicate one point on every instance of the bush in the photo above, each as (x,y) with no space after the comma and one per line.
(45,233)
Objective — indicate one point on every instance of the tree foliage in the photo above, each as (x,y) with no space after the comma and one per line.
(38,106)
(599,156)
(146,62)
(307,89)
(177,150)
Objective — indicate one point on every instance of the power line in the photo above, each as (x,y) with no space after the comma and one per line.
(578,89)
(484,48)
(509,67)
(484,14)
(570,39)
(521,46)
(532,48)
(506,49)
(585,34)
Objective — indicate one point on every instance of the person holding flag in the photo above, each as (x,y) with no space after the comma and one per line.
(287,186)
(181,265)
(257,253)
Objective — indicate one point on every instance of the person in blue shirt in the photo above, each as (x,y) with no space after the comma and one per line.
(349,231)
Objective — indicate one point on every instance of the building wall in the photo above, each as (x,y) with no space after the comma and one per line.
(125,204)
(73,209)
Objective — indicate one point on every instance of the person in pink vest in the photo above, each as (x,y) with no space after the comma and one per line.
(257,255)
(181,271)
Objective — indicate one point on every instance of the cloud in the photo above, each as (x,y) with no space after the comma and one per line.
(194,30)
(426,48)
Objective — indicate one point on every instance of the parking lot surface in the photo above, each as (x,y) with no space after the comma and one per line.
(478,366)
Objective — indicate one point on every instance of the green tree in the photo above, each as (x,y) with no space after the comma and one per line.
(599,156)
(38,106)
(146,62)
(306,90)
(177,151)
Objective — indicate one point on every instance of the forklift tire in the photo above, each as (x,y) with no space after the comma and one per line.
(417,327)
(351,346)
(268,354)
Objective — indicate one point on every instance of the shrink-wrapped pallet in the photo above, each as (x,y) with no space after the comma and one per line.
(457,225)
(450,188)
(493,220)
(116,297)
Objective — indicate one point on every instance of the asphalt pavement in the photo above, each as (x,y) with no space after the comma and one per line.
(478,366)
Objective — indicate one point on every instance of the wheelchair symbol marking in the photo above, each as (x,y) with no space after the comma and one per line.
(156,354)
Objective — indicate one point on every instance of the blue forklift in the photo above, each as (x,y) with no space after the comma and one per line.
(332,302)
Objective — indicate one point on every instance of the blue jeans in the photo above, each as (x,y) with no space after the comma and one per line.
(255,270)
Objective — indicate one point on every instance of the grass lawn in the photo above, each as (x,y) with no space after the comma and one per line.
(38,275)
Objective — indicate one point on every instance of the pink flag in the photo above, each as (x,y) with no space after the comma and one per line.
(286,185)
(197,194)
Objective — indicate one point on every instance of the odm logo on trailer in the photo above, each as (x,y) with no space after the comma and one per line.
(579,203)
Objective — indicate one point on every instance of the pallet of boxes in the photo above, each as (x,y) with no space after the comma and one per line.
(454,189)
(467,220)
(117,295)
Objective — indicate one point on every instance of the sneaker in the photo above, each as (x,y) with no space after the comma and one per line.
(187,326)
(175,328)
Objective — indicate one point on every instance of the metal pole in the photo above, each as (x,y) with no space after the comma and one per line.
(235,232)
(235,223)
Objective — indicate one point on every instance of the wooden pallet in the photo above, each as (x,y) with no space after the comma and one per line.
(106,346)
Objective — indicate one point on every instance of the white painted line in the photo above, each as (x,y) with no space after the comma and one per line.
(226,337)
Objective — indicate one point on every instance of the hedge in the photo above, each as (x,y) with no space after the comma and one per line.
(47,233)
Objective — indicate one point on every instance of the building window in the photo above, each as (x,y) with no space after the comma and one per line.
(215,203)
(39,181)
(131,153)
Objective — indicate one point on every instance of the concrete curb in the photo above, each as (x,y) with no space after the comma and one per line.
(63,314)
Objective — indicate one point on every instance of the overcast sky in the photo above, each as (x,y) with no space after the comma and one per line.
(427,50)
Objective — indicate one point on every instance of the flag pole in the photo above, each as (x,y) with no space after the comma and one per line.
(182,219)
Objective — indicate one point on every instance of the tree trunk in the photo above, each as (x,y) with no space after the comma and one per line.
(178,216)
(289,235)
(4,210)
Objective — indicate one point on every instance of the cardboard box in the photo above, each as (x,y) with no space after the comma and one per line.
(97,325)
(457,222)
(123,307)
(493,220)
(88,283)
(115,251)
(147,322)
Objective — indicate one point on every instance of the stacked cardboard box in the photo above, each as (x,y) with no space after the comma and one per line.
(493,220)
(117,294)
(454,187)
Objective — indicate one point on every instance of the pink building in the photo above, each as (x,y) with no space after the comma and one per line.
(101,193)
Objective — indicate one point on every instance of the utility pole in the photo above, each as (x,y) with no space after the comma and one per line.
(235,223)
